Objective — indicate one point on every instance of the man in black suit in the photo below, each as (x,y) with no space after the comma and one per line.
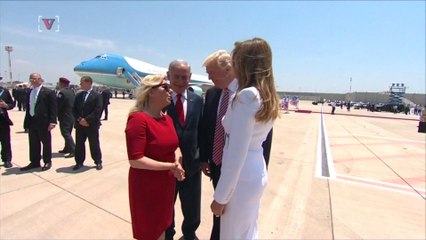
(6,103)
(40,119)
(219,69)
(106,95)
(186,110)
(87,110)
(65,99)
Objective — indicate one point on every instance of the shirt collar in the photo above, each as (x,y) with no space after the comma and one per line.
(232,87)
(38,88)
(184,95)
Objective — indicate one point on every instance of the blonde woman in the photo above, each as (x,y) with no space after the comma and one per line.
(155,160)
(247,122)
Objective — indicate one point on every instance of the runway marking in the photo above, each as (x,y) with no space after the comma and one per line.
(357,115)
(382,185)
(403,157)
(390,139)
(325,167)
(324,163)
(369,143)
(355,144)
(419,179)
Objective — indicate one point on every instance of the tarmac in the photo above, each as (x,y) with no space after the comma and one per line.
(352,175)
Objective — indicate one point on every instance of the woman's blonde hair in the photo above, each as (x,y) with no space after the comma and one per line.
(142,92)
(252,62)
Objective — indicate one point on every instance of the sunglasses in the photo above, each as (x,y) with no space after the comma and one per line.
(166,86)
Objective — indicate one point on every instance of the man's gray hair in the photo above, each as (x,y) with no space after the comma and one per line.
(180,62)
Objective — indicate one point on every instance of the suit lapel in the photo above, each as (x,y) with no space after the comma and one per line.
(189,108)
(89,94)
(215,100)
(171,111)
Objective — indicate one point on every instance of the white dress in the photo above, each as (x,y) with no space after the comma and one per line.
(243,173)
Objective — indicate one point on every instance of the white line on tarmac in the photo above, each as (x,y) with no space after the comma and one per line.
(325,159)
(391,139)
(381,185)
(324,163)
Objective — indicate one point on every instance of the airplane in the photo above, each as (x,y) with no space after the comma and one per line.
(122,72)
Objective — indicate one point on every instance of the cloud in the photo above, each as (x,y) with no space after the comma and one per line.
(71,40)
(21,62)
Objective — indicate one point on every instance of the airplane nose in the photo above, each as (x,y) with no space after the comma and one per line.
(79,67)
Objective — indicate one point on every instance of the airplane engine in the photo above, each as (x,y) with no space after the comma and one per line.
(196,89)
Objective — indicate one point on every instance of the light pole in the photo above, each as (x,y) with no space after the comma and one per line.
(9,49)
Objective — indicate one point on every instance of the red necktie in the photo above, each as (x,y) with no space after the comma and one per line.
(179,109)
(219,132)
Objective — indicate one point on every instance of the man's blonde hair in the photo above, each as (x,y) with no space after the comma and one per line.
(222,58)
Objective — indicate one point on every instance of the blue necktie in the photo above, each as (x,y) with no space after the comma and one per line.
(33,98)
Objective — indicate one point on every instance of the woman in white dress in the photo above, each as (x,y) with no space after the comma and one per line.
(247,122)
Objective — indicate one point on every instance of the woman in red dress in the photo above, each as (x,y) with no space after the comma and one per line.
(155,160)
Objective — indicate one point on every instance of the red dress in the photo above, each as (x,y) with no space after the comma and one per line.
(151,193)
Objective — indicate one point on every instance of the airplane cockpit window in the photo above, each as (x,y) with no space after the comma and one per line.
(103,57)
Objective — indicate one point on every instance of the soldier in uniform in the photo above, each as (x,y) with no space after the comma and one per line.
(65,99)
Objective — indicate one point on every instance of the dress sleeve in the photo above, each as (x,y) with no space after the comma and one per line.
(242,120)
(136,136)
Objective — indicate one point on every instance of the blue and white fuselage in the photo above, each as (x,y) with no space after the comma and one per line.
(124,72)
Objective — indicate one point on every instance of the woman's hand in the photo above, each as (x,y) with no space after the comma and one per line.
(217,208)
(178,171)
(178,159)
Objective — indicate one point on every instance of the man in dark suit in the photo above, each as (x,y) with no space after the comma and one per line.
(40,119)
(219,69)
(186,111)
(87,110)
(6,103)
(106,95)
(65,99)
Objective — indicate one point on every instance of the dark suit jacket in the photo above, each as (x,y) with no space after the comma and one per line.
(89,110)
(189,133)
(106,95)
(66,99)
(208,126)
(5,96)
(46,110)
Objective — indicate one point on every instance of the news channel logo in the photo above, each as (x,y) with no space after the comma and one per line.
(48,24)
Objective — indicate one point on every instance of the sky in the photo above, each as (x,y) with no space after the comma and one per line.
(318,46)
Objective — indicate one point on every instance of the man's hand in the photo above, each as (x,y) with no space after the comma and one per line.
(83,122)
(205,167)
(50,127)
(3,104)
